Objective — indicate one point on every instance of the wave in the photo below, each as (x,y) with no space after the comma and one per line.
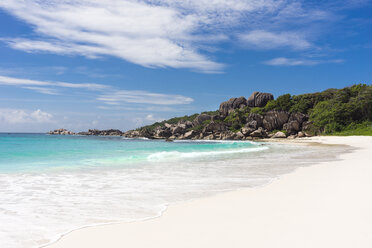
(174,155)
(215,141)
(138,138)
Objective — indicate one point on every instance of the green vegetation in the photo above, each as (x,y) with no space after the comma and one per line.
(364,128)
(348,108)
(346,111)
(332,111)
(283,102)
(174,120)
(197,128)
(211,112)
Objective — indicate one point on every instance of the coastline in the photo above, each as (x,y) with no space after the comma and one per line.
(311,207)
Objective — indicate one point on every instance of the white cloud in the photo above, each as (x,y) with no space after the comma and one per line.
(158,33)
(31,83)
(152,118)
(20,116)
(151,35)
(269,40)
(281,61)
(42,90)
(126,96)
(147,108)
(111,95)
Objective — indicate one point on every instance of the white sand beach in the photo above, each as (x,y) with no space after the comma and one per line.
(325,205)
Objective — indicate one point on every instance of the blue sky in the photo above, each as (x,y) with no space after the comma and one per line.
(126,63)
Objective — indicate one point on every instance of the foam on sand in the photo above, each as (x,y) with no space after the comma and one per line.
(159,156)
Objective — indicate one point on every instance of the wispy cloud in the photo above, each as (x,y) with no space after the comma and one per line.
(281,61)
(152,118)
(149,34)
(143,97)
(104,93)
(4,80)
(20,116)
(263,39)
(160,33)
(42,90)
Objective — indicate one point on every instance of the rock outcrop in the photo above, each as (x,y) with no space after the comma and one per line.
(259,99)
(309,129)
(96,132)
(295,122)
(241,125)
(275,120)
(200,119)
(234,103)
(61,131)
(259,133)
(279,135)
(254,121)
(215,127)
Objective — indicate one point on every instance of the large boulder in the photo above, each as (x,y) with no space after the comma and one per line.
(190,134)
(228,135)
(209,137)
(162,132)
(234,103)
(179,129)
(128,134)
(259,99)
(239,136)
(301,135)
(299,117)
(275,120)
(145,133)
(217,118)
(259,133)
(215,127)
(294,124)
(247,130)
(292,127)
(254,121)
(309,129)
(187,124)
(200,119)
(279,135)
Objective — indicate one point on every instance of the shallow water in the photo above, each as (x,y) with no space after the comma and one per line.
(50,185)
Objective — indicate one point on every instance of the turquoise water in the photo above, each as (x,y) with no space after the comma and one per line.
(38,152)
(50,185)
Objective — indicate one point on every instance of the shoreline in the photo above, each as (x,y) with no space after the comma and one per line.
(211,211)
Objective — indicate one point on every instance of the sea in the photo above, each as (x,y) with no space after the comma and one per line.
(51,185)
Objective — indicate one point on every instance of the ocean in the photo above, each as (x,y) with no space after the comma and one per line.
(50,185)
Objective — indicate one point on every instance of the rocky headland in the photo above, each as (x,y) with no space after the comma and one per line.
(96,132)
(233,121)
(332,111)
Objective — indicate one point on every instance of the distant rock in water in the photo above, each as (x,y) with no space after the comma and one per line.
(61,131)
(109,132)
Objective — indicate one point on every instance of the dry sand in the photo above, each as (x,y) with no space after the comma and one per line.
(325,205)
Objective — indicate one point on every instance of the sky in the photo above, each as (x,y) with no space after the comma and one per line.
(81,64)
